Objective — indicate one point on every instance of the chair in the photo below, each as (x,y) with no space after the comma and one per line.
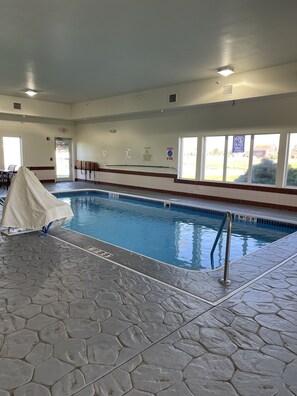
(7,175)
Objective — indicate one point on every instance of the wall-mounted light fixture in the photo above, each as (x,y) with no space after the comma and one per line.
(225,71)
(112,130)
(30,92)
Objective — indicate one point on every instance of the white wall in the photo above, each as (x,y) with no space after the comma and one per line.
(34,108)
(135,134)
(162,130)
(37,150)
(156,130)
(261,83)
(274,115)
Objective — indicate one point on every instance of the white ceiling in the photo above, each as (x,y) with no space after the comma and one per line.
(79,50)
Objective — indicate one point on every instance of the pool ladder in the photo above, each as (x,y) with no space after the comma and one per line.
(227,217)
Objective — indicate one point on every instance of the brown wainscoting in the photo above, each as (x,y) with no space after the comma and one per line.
(238,186)
(138,173)
(200,196)
(271,189)
(33,168)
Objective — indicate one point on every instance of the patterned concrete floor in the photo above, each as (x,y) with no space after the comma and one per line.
(75,323)
(245,346)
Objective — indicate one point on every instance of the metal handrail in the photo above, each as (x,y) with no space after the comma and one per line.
(227,216)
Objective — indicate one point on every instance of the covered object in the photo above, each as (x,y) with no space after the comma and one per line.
(30,206)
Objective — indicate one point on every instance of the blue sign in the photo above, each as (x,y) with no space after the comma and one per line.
(170,153)
(238,144)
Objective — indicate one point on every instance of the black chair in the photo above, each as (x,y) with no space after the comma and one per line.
(7,175)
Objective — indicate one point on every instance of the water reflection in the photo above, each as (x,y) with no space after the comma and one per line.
(183,238)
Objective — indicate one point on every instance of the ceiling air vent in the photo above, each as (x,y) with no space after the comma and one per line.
(17,106)
(227,89)
(172,98)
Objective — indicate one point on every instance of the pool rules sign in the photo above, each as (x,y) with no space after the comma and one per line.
(238,144)
(169,153)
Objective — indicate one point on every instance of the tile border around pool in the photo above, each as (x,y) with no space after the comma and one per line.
(204,284)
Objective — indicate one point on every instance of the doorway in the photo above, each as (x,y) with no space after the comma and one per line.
(63,149)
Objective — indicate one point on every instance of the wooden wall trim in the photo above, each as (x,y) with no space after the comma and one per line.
(249,187)
(138,173)
(41,168)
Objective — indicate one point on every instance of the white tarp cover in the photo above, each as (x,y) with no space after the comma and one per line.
(29,205)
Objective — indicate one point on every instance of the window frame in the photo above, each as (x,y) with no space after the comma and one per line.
(282,160)
(286,165)
(250,163)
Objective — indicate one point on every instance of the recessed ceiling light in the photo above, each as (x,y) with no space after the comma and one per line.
(225,71)
(30,92)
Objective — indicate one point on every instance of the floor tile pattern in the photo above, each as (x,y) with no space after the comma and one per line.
(203,284)
(68,317)
(245,346)
(73,322)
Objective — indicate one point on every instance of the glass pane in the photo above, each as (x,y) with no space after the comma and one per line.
(265,154)
(238,158)
(292,161)
(214,158)
(12,151)
(63,158)
(188,158)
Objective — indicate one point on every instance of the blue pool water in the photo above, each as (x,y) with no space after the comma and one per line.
(179,236)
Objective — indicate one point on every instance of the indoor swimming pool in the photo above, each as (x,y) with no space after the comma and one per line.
(177,235)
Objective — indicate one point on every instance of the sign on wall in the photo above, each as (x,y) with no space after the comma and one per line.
(128,153)
(238,144)
(169,154)
(147,154)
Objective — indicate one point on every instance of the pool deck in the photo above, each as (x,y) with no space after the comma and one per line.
(80,317)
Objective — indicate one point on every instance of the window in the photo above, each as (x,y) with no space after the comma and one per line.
(226,158)
(12,150)
(187,157)
(214,150)
(242,158)
(292,161)
(265,157)
(238,158)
